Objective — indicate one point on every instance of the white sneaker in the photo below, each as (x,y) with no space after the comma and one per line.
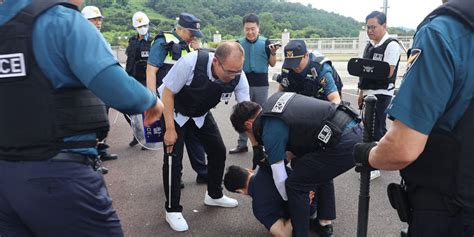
(224,201)
(374,174)
(176,221)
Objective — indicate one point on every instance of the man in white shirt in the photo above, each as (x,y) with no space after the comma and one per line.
(381,48)
(195,84)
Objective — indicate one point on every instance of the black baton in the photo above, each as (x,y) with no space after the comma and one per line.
(364,193)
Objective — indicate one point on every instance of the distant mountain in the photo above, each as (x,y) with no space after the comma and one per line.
(225,16)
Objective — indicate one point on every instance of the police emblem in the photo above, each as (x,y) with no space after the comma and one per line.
(323,81)
(289,54)
(413,56)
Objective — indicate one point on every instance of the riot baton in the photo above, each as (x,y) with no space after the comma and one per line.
(364,192)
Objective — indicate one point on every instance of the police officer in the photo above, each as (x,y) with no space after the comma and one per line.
(430,140)
(137,53)
(312,74)
(51,93)
(259,53)
(309,74)
(267,205)
(166,49)
(194,85)
(94,16)
(321,135)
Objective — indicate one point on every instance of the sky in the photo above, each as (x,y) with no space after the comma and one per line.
(401,13)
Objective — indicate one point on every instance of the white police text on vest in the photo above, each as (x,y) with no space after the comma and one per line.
(12,65)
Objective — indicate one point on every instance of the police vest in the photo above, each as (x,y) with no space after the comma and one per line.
(174,49)
(446,164)
(35,117)
(138,52)
(256,58)
(311,84)
(202,94)
(377,53)
(305,117)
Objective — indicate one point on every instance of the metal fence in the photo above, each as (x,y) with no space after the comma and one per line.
(331,46)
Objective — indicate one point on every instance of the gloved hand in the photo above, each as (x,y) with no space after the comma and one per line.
(259,157)
(361,156)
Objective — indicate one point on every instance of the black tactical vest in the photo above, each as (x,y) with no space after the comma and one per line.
(447,162)
(202,94)
(377,53)
(35,117)
(137,57)
(304,121)
(308,84)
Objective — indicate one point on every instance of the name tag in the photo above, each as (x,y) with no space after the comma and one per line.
(12,65)
(226,97)
(144,54)
(378,57)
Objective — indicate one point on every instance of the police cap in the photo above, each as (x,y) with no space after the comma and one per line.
(294,52)
(190,22)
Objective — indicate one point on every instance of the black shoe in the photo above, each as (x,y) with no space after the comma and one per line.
(181,184)
(134,142)
(106,156)
(322,231)
(102,146)
(201,179)
(239,150)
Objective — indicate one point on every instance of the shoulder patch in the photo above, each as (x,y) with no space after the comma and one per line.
(323,81)
(414,54)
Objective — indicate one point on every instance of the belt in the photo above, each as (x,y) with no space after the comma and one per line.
(341,119)
(73,157)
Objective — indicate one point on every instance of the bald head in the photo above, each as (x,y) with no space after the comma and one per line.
(229,50)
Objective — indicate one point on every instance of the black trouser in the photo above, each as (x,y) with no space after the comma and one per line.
(210,138)
(381,116)
(317,168)
(434,215)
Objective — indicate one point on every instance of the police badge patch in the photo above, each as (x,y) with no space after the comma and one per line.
(413,56)
(323,81)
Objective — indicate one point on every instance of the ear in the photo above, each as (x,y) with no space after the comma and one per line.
(241,191)
(248,125)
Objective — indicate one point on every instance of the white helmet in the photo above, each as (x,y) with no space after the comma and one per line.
(139,19)
(90,12)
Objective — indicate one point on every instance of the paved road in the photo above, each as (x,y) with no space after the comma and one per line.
(134,182)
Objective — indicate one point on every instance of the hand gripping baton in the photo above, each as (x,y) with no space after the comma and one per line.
(364,196)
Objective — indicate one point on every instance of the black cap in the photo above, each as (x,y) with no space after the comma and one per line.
(294,52)
(190,22)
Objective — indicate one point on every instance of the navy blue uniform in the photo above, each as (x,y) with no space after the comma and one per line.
(309,170)
(50,198)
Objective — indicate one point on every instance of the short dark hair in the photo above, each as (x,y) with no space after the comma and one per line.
(242,112)
(252,18)
(235,178)
(381,17)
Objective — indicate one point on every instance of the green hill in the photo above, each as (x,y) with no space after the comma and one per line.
(225,16)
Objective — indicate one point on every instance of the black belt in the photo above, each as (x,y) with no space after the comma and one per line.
(341,119)
(73,157)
